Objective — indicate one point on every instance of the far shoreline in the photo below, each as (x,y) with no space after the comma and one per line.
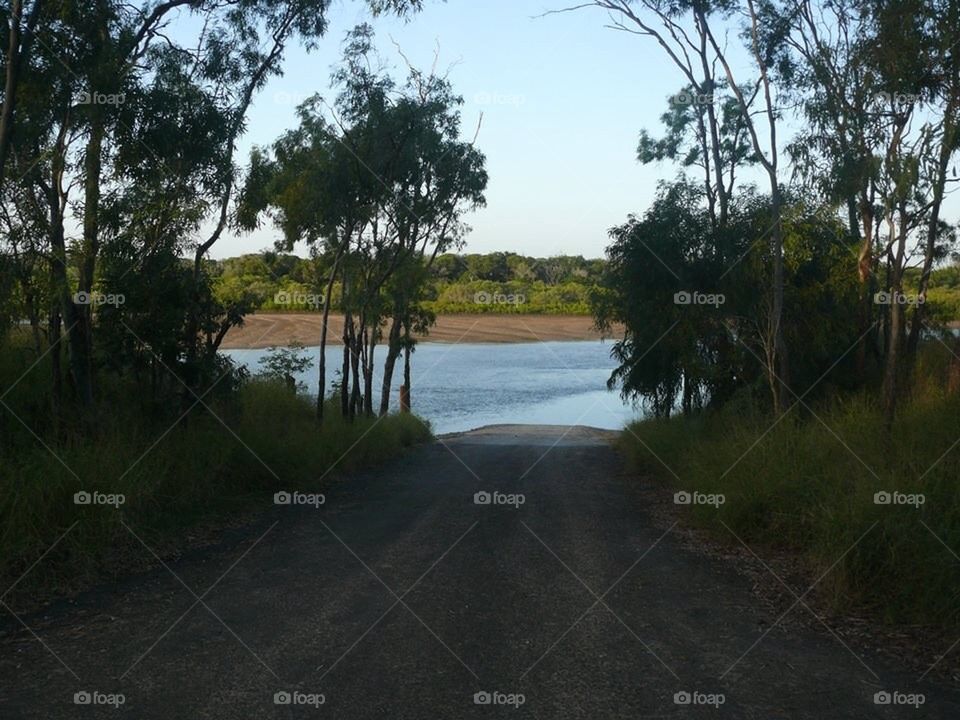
(263,330)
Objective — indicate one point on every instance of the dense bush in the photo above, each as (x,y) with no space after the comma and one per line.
(807,484)
(232,450)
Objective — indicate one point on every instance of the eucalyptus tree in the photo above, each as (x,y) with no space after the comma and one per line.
(706,132)
(880,88)
(682,31)
(835,151)
(763,42)
(254,64)
(308,185)
(374,134)
(41,160)
(242,50)
(687,31)
(121,120)
(22,23)
(917,106)
(374,180)
(87,59)
(942,68)
(441,178)
(322,185)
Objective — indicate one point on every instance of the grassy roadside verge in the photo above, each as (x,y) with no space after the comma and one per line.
(173,475)
(809,485)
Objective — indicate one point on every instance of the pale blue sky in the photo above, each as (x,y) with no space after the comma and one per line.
(563,100)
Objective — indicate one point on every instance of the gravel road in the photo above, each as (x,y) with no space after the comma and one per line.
(507,572)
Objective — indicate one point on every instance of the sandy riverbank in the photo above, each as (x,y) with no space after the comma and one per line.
(264,330)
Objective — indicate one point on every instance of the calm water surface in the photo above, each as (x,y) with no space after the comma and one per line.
(464,386)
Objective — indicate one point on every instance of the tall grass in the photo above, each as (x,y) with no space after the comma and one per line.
(807,483)
(249,443)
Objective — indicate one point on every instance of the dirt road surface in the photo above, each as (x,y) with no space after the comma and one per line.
(508,572)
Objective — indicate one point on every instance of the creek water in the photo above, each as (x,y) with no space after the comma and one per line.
(463,386)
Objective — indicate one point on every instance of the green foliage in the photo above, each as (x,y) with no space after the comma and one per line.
(376,186)
(512,296)
(807,484)
(942,300)
(454,283)
(283,363)
(693,296)
(199,468)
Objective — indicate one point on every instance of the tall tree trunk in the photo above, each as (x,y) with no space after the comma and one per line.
(91,241)
(10,84)
(769,161)
(783,362)
(406,365)
(368,374)
(947,145)
(892,369)
(356,335)
(345,370)
(56,372)
(865,274)
(322,363)
(77,358)
(713,125)
(19,42)
(895,327)
(393,352)
(192,324)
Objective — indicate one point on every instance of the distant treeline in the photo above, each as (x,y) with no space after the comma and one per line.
(943,293)
(499,282)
